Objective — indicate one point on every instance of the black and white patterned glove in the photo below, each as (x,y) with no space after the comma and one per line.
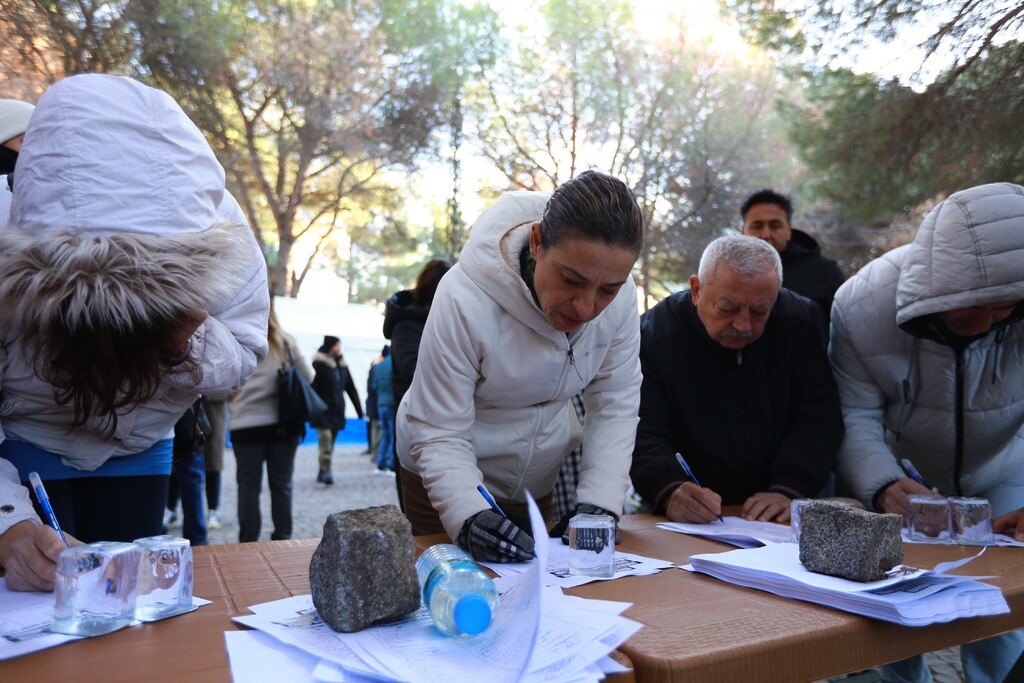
(489,537)
(562,528)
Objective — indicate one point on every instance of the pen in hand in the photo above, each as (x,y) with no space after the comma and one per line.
(689,473)
(44,502)
(494,506)
(909,468)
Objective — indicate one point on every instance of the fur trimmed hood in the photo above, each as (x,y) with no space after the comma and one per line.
(117,280)
(114,217)
(329,360)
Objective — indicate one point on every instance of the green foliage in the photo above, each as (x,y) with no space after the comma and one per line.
(878,146)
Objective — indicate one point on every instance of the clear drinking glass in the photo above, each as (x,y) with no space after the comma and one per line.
(928,518)
(796,511)
(96,588)
(165,577)
(592,545)
(972,521)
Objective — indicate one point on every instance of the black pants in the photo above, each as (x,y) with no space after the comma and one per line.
(279,455)
(108,508)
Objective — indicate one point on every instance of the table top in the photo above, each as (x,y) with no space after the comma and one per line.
(696,628)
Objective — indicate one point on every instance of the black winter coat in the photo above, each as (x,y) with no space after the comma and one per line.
(404,320)
(808,273)
(331,382)
(765,418)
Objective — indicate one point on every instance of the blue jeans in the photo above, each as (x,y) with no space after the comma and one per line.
(189,475)
(386,453)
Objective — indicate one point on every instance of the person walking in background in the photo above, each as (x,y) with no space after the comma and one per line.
(130,284)
(259,438)
(333,380)
(372,421)
(386,412)
(190,436)
(405,316)
(213,456)
(14,117)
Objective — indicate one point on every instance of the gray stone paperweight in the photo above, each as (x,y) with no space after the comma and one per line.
(840,540)
(364,570)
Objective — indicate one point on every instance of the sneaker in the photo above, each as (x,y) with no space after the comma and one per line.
(212,519)
(171,518)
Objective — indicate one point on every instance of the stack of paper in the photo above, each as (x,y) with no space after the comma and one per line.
(572,640)
(912,597)
(538,634)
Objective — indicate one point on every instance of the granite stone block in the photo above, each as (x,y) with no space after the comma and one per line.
(364,570)
(840,540)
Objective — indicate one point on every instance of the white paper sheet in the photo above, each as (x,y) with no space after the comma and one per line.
(736,531)
(557,572)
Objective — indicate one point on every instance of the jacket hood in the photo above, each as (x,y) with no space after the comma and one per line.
(327,359)
(800,245)
(400,307)
(106,154)
(967,252)
(491,255)
(114,214)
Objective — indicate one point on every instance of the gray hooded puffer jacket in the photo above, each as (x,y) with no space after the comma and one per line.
(959,417)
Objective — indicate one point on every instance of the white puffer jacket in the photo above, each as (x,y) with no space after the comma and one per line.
(112,166)
(907,395)
(490,399)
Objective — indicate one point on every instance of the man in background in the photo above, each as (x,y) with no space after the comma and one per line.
(768,215)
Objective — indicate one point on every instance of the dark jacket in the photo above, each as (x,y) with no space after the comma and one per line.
(808,273)
(404,320)
(331,382)
(765,418)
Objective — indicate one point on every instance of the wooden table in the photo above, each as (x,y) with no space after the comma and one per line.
(696,628)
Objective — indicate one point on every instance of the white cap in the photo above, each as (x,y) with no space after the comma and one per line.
(14,116)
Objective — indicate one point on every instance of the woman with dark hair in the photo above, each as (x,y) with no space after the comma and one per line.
(540,306)
(130,284)
(405,315)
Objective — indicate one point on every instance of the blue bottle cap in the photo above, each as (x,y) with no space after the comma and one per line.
(472,614)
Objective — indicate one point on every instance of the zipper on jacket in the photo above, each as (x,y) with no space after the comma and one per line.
(959,422)
(739,357)
(572,345)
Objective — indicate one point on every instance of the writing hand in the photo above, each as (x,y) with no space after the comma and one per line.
(489,537)
(691,503)
(894,497)
(31,554)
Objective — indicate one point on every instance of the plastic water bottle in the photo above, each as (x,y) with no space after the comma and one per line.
(460,595)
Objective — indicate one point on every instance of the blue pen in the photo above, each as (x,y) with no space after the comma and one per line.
(689,473)
(44,502)
(494,505)
(914,474)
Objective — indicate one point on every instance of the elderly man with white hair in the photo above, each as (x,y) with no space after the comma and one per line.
(737,381)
